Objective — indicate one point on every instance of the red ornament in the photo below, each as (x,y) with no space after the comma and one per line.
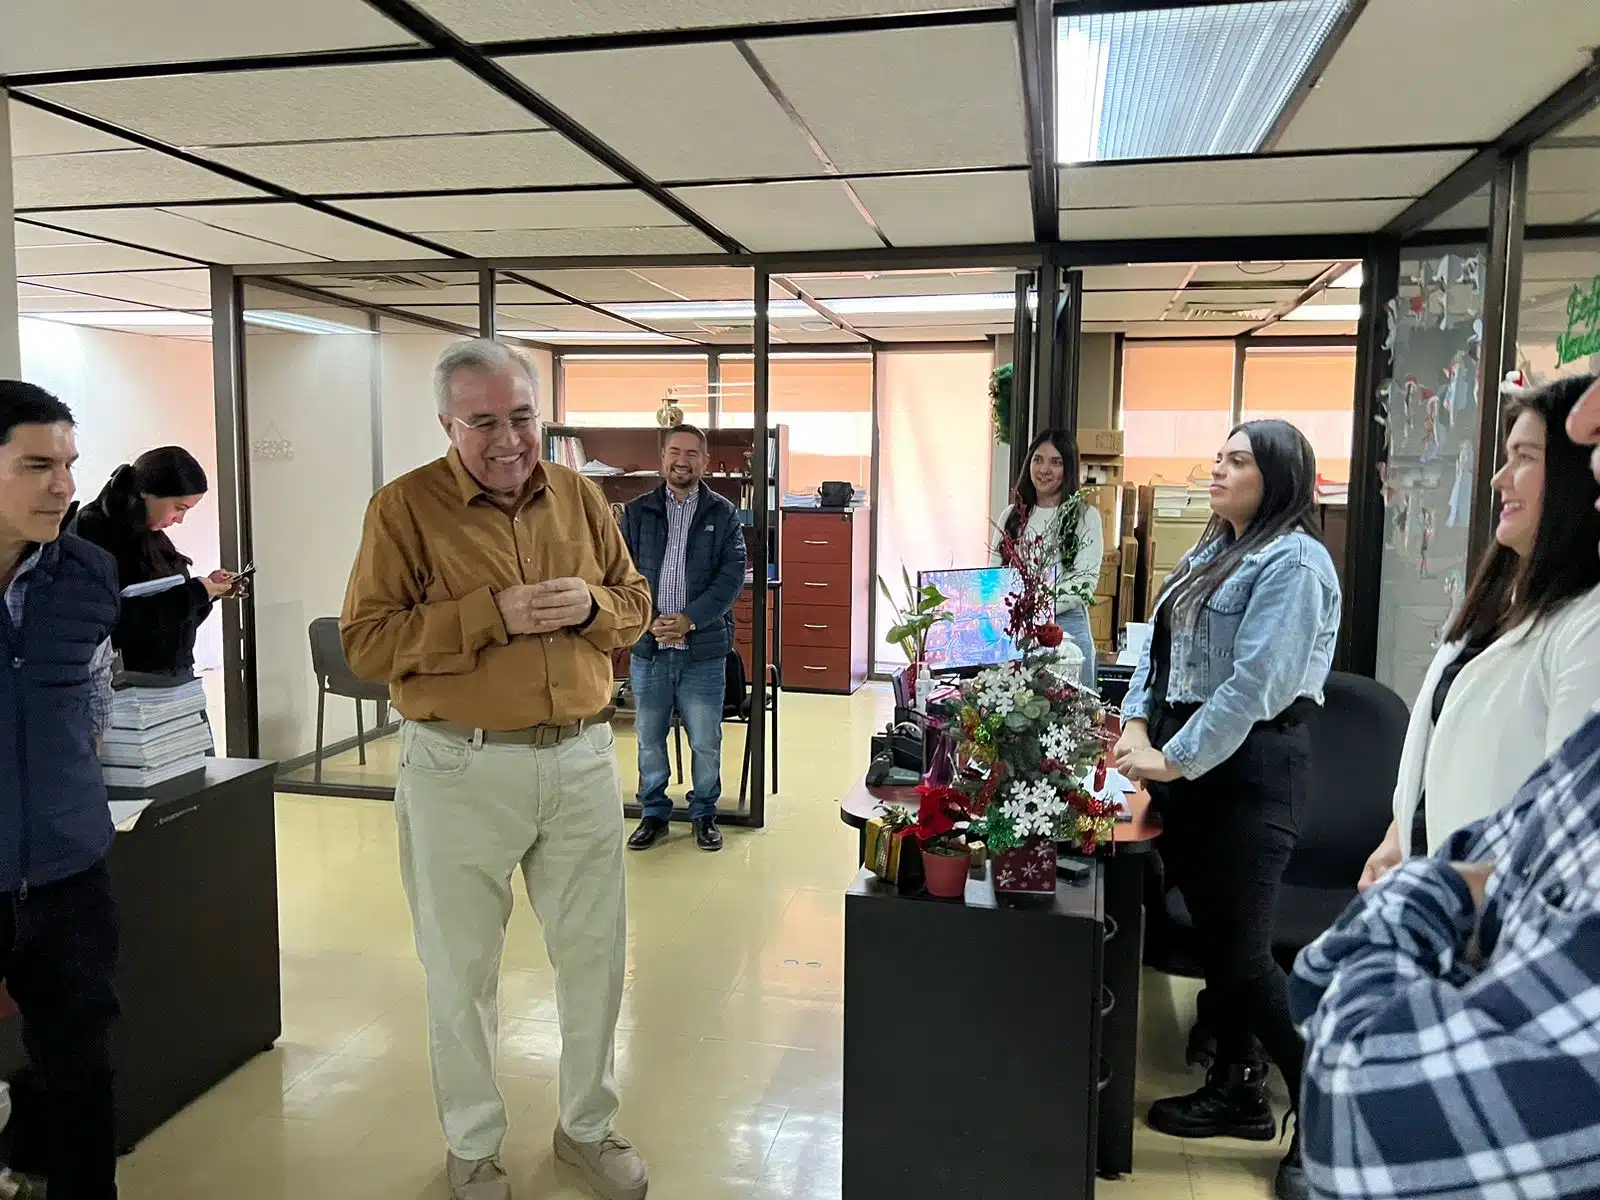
(1049,635)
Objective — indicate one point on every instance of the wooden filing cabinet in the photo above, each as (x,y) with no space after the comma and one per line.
(744,629)
(825,582)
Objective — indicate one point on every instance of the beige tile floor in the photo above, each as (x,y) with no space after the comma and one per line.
(728,1051)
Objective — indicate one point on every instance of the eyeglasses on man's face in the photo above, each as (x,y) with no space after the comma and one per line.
(519,424)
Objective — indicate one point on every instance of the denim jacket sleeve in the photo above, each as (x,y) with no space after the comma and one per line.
(1136,704)
(1272,652)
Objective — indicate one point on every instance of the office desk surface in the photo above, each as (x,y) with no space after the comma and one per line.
(861,803)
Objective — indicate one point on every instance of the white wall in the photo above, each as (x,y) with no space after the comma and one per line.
(132,392)
(313,391)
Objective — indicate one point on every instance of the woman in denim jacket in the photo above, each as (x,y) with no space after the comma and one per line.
(1214,723)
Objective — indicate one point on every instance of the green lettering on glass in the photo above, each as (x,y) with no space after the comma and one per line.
(1582,338)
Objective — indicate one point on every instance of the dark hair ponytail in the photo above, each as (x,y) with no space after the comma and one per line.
(166,472)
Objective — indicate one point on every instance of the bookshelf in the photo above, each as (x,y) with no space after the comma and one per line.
(635,453)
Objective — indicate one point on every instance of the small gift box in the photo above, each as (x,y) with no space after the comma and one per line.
(893,857)
(1027,870)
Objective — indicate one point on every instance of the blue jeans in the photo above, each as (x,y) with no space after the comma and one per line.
(672,680)
(1074,623)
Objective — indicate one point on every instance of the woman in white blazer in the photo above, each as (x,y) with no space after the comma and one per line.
(1520,669)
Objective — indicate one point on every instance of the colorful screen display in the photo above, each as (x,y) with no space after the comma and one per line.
(976,599)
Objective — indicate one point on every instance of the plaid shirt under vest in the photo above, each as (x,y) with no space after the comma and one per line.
(672,593)
(1442,1069)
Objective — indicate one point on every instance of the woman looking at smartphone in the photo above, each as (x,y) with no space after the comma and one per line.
(1047,503)
(129,518)
(1520,667)
(1213,722)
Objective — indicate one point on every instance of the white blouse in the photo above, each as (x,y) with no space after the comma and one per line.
(1046,523)
(1510,709)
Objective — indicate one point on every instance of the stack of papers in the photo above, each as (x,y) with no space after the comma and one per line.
(595,467)
(156,734)
(1190,501)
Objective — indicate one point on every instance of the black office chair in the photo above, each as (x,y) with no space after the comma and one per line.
(738,704)
(335,678)
(1356,738)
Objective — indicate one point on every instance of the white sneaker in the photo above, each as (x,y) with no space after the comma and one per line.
(480,1180)
(611,1167)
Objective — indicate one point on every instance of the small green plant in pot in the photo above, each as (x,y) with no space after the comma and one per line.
(915,615)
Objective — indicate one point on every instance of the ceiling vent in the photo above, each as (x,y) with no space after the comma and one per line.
(1237,312)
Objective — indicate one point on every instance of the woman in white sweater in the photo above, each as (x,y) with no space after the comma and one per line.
(1520,668)
(1047,503)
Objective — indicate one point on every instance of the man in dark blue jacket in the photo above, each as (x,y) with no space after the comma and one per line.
(689,543)
(58,925)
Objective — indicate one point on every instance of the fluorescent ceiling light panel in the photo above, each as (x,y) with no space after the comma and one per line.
(1182,82)
(131,319)
(291,322)
(1325,312)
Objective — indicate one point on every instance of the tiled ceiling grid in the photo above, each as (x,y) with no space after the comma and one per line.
(778,125)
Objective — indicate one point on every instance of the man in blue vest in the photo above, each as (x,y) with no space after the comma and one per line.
(58,925)
(689,543)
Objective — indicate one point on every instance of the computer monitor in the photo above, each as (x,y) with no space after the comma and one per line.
(976,636)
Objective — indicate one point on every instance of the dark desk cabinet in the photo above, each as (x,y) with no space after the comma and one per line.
(196,883)
(971,1044)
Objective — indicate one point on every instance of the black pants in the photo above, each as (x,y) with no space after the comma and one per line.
(58,951)
(1226,838)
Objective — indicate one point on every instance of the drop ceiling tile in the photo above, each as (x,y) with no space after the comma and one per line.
(938,333)
(98,257)
(703,283)
(494,20)
(608,286)
(432,287)
(951,210)
(1330,177)
(1166,277)
(162,289)
(67,34)
(1574,169)
(1253,274)
(40,235)
(1125,306)
(34,132)
(490,160)
(1587,125)
(174,234)
(116,177)
(907,283)
(678,112)
(572,317)
(301,228)
(533,243)
(34,299)
(1236,220)
(1471,213)
(1562,208)
(549,210)
(1417,72)
(809,215)
(910,99)
(301,104)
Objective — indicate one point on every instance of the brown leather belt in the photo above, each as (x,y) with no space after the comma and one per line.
(534,735)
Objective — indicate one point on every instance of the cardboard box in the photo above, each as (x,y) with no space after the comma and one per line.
(1110,572)
(1100,442)
(1102,614)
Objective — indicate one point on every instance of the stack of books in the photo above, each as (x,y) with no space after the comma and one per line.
(567,450)
(156,734)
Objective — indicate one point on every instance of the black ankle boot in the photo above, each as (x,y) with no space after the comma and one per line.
(1290,1182)
(1233,1103)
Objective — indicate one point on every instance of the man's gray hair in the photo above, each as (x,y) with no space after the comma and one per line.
(479,354)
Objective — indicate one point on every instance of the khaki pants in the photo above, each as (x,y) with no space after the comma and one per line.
(468,817)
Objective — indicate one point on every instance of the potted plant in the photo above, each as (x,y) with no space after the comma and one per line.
(914,617)
(940,830)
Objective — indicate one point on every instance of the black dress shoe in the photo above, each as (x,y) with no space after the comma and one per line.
(706,834)
(1233,1103)
(651,830)
(1290,1182)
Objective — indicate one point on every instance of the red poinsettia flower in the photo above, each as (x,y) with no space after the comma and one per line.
(1048,635)
(938,812)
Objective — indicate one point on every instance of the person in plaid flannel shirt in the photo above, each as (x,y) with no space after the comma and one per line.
(1452,1015)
